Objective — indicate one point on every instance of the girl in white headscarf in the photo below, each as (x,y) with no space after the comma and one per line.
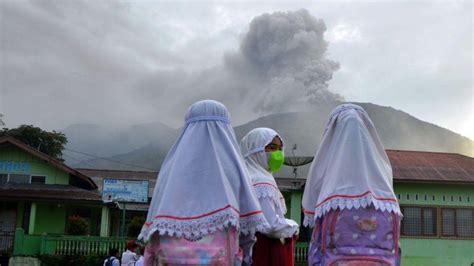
(203,197)
(263,152)
(348,197)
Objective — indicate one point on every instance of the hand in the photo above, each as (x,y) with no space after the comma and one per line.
(296,237)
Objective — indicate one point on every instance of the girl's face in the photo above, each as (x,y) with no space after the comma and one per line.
(275,145)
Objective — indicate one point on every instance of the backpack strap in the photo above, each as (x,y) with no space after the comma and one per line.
(332,229)
(396,233)
(330,221)
(323,233)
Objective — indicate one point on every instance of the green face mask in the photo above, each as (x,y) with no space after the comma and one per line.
(275,160)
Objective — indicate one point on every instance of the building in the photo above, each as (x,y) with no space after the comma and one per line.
(131,209)
(436,194)
(39,193)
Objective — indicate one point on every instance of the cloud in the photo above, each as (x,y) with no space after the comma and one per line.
(118,62)
(280,66)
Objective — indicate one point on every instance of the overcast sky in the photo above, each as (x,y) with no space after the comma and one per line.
(119,63)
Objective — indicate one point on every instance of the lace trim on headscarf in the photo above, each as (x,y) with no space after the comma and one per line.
(193,228)
(268,190)
(349,202)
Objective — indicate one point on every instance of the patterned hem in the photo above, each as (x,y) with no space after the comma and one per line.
(196,228)
(388,205)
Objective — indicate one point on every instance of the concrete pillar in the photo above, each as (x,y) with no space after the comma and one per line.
(295,209)
(31,228)
(105,222)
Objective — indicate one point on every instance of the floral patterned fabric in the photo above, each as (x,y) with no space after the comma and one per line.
(219,248)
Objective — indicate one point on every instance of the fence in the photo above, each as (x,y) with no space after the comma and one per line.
(301,251)
(65,245)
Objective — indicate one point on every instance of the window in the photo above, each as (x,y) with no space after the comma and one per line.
(419,221)
(458,222)
(38,179)
(19,179)
(3,178)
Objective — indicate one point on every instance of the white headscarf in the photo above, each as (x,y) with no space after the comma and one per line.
(253,149)
(351,168)
(203,185)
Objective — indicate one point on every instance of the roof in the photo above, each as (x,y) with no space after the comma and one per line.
(408,166)
(416,166)
(48,192)
(7,140)
(431,166)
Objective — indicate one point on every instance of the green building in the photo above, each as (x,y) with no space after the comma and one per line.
(436,194)
(38,194)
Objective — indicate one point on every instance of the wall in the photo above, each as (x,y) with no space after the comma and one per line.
(430,252)
(50,219)
(462,195)
(26,244)
(436,250)
(37,166)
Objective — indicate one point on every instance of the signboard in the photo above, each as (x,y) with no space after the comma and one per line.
(120,190)
(14,167)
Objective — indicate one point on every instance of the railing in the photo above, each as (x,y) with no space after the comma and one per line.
(85,245)
(79,245)
(301,251)
(6,242)
(65,245)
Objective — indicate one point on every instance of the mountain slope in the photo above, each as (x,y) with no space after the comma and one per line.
(147,145)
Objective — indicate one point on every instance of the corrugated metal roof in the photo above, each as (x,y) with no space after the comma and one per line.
(43,191)
(407,166)
(431,166)
(417,166)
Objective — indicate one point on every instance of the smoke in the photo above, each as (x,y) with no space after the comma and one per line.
(288,51)
(280,66)
(115,63)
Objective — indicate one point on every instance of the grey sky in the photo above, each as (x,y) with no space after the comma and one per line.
(65,62)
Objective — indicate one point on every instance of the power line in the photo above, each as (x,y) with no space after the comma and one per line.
(79,161)
(106,159)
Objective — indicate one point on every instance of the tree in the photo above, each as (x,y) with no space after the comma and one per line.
(51,143)
(77,226)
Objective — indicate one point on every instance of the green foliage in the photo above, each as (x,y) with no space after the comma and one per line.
(76,225)
(135,226)
(51,143)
